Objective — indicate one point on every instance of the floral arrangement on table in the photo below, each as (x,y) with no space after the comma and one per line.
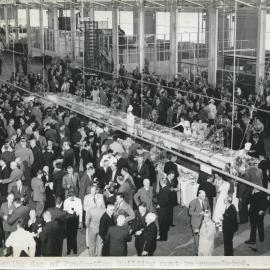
(217,140)
(242,162)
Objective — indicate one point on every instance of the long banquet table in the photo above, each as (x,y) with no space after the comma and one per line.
(169,138)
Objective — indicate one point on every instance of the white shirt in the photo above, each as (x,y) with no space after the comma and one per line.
(21,240)
(76,204)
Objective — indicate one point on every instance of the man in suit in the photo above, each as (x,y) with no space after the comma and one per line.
(68,155)
(22,192)
(138,226)
(74,123)
(229,226)
(59,216)
(117,237)
(258,205)
(163,209)
(41,140)
(70,181)
(51,237)
(6,209)
(20,212)
(123,208)
(50,133)
(92,220)
(39,196)
(127,186)
(57,177)
(5,173)
(210,190)
(145,194)
(57,213)
(172,185)
(197,208)
(141,172)
(243,193)
(106,221)
(104,173)
(149,235)
(38,157)
(15,174)
(86,180)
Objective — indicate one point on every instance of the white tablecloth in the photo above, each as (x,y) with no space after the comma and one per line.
(169,138)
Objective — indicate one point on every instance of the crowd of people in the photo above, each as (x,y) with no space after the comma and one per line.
(61,172)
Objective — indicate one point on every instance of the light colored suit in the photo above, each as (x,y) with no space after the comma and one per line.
(4,211)
(143,195)
(195,209)
(92,220)
(39,196)
(72,182)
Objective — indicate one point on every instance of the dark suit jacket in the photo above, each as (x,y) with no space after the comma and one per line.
(104,177)
(149,238)
(230,223)
(84,183)
(57,183)
(105,223)
(163,200)
(51,134)
(38,161)
(194,211)
(258,202)
(59,216)
(5,173)
(117,238)
(143,172)
(51,239)
(25,193)
(18,213)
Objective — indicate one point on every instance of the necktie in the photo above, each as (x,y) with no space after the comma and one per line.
(203,206)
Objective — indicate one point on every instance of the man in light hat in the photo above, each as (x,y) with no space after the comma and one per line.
(212,111)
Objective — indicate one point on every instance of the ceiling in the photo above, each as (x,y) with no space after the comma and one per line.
(131,4)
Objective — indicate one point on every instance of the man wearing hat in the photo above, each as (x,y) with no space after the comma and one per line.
(73,206)
(212,111)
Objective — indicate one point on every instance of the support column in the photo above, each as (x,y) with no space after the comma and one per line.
(6,25)
(115,40)
(73,33)
(41,27)
(16,23)
(173,39)
(212,44)
(260,61)
(56,31)
(141,36)
(28,30)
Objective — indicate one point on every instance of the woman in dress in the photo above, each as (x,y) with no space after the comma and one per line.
(222,188)
(207,236)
